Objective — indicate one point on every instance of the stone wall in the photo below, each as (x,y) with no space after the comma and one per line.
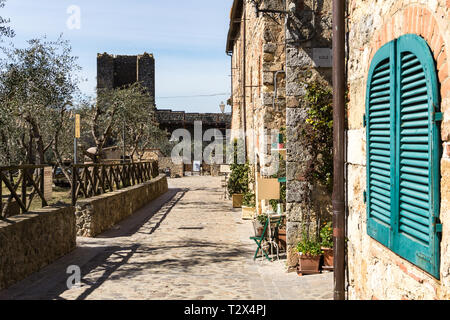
(98,214)
(281,47)
(374,271)
(308,204)
(32,241)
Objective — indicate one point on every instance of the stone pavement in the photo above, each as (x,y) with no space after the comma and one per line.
(188,244)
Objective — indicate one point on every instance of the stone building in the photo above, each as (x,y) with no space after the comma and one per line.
(398,149)
(277,48)
(115,71)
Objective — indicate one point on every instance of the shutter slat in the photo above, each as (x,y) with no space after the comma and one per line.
(414,170)
(379,107)
(415,155)
(418,211)
(380,178)
(415,186)
(411,193)
(415,84)
(412,70)
(411,63)
(380,146)
(413,224)
(414,116)
(419,76)
(414,139)
(385,186)
(414,178)
(414,217)
(413,132)
(415,100)
(386,173)
(414,201)
(375,213)
(417,147)
(416,92)
(416,234)
(384,199)
(416,163)
(380,139)
(380,120)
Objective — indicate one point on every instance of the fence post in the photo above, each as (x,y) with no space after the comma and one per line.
(42,184)
(74,186)
(24,190)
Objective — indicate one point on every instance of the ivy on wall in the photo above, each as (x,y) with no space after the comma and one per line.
(318,134)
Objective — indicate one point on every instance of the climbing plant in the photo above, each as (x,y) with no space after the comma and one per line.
(319,134)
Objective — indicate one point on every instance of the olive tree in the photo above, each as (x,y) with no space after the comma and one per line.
(37,87)
(122,116)
(5,30)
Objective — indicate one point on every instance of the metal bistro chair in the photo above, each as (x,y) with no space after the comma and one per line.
(224,184)
(268,237)
(274,222)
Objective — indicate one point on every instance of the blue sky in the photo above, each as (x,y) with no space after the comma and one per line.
(187,38)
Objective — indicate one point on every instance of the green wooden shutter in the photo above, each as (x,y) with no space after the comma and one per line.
(403,151)
(418,155)
(380,141)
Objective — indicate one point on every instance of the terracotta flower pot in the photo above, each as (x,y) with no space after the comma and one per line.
(259,228)
(308,264)
(328,257)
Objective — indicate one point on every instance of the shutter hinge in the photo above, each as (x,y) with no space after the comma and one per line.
(365,196)
(364,120)
(438,116)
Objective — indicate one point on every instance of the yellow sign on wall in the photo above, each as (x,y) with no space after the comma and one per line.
(77,126)
(268,189)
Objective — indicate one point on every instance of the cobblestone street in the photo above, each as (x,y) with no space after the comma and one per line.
(188,244)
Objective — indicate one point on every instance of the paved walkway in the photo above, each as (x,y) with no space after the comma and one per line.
(188,244)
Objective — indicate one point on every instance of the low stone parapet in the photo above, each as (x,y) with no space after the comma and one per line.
(98,214)
(32,241)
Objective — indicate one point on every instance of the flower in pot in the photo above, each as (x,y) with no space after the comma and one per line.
(248,205)
(326,236)
(238,183)
(309,252)
(259,224)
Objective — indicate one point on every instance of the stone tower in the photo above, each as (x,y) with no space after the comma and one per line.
(114,71)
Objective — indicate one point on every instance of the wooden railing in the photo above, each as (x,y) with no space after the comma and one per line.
(29,179)
(90,180)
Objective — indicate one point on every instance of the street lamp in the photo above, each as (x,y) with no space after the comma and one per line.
(222,107)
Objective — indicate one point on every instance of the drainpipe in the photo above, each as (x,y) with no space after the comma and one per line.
(339,86)
(244,84)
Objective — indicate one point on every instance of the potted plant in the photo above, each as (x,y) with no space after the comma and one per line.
(248,206)
(238,183)
(259,224)
(326,236)
(309,254)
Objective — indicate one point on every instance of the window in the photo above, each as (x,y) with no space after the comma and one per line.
(403,151)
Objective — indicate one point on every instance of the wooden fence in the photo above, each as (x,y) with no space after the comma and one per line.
(90,180)
(29,179)
(21,185)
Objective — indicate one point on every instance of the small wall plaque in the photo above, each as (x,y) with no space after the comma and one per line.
(323,57)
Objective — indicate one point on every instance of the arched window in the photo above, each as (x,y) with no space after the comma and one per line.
(404,151)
